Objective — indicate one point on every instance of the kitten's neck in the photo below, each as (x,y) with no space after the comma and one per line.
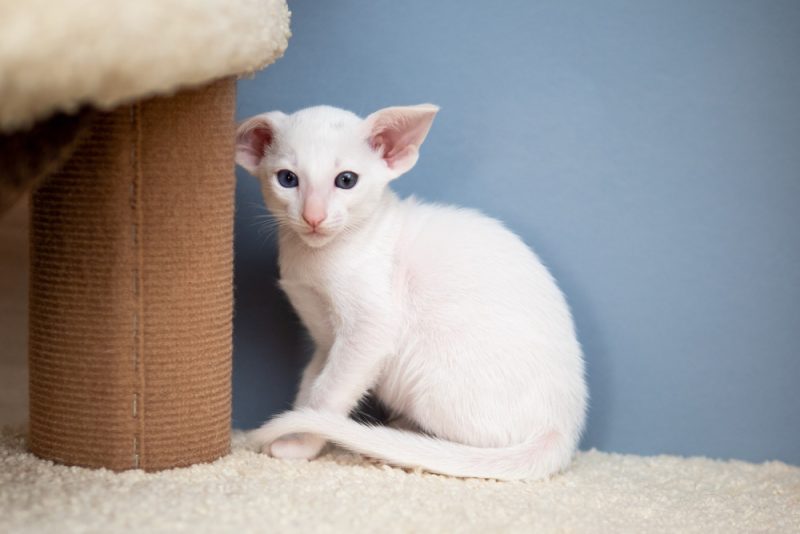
(383,210)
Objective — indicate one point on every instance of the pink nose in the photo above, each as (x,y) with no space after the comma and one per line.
(313,219)
(314,210)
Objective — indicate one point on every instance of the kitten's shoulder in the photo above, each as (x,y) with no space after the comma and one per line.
(435,212)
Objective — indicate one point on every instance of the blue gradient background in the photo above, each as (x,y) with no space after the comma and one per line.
(648,151)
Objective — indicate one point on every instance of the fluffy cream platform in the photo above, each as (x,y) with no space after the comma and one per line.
(249,492)
(56,56)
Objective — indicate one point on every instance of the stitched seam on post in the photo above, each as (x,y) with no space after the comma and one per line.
(137,404)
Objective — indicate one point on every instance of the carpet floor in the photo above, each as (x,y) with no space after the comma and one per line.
(341,492)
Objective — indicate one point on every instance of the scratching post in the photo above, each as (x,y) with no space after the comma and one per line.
(122,123)
(131,288)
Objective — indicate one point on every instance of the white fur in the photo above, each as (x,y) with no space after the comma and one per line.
(444,313)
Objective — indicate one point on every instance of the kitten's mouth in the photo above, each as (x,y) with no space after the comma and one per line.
(316,233)
(316,238)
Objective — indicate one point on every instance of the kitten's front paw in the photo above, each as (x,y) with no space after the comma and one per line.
(295,447)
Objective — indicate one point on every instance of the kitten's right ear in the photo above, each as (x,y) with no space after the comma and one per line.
(253,138)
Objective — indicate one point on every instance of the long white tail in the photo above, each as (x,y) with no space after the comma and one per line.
(537,457)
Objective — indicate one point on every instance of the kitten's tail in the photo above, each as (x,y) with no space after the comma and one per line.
(537,457)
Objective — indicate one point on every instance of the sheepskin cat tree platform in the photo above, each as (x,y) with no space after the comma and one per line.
(129,113)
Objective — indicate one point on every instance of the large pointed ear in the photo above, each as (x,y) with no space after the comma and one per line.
(398,132)
(253,138)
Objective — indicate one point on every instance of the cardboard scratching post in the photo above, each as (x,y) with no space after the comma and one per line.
(131,288)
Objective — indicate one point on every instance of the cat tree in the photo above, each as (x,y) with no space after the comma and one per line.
(131,237)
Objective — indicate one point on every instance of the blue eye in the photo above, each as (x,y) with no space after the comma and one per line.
(346,180)
(287,178)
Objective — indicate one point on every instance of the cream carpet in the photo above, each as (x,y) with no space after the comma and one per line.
(250,492)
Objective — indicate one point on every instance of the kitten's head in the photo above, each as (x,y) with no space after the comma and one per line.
(322,169)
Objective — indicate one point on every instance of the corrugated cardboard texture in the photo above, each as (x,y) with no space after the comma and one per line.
(131,289)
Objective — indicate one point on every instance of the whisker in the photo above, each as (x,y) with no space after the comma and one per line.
(267,223)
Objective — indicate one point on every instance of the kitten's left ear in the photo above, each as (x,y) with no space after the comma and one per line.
(398,132)
(253,138)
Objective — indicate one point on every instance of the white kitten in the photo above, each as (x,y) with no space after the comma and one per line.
(445,314)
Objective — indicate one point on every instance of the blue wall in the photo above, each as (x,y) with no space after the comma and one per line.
(649,152)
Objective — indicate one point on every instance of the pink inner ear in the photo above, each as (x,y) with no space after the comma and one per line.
(252,140)
(383,143)
(393,151)
(398,132)
(393,134)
